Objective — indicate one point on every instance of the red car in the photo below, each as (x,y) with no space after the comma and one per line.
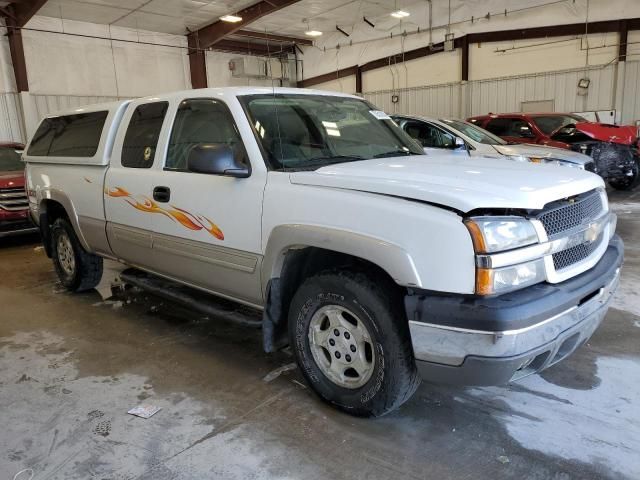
(614,148)
(14,206)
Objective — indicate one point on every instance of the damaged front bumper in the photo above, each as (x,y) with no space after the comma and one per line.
(491,341)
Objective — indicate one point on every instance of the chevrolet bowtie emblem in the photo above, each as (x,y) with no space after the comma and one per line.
(591,234)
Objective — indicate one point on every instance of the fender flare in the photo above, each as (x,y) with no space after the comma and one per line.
(390,257)
(63,199)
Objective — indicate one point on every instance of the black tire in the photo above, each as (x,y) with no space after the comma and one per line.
(374,301)
(627,182)
(87,268)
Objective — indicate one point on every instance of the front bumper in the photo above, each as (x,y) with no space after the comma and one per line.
(490,341)
(16,223)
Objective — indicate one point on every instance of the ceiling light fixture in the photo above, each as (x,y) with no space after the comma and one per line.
(313,33)
(400,14)
(231,18)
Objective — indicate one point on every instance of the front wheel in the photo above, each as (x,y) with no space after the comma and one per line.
(628,182)
(352,342)
(77,269)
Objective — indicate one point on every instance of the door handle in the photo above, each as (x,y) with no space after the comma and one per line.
(162,194)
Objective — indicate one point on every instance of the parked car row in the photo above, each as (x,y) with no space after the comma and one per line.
(614,148)
(378,263)
(437,135)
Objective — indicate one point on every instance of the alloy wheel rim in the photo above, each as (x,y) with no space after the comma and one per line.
(66,256)
(341,346)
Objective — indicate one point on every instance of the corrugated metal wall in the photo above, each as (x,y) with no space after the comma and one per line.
(630,111)
(438,100)
(506,94)
(11,128)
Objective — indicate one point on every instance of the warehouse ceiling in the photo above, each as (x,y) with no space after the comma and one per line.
(178,16)
(167,16)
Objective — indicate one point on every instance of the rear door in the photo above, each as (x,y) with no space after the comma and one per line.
(209,232)
(129,206)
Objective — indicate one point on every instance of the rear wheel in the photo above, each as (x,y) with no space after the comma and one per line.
(77,269)
(352,342)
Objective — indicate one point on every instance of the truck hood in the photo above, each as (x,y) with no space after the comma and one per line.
(463,184)
(12,179)
(543,152)
(623,134)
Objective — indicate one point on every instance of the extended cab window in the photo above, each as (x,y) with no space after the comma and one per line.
(68,135)
(201,121)
(141,139)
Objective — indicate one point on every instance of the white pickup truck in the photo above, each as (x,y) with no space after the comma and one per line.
(376,263)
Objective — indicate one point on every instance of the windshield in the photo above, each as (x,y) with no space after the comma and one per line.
(10,160)
(474,132)
(311,131)
(550,123)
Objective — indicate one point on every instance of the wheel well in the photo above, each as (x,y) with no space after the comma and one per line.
(300,264)
(50,211)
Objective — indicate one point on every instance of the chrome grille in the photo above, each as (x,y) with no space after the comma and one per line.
(568,216)
(576,254)
(13,199)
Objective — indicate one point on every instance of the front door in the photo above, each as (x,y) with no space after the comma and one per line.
(209,231)
(431,137)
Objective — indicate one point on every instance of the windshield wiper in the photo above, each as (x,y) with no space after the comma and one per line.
(319,162)
(394,153)
(330,159)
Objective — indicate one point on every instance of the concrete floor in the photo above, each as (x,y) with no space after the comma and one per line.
(72,365)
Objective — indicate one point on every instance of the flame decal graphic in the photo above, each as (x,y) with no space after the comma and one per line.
(183,217)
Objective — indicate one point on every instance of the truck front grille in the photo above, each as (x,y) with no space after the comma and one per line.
(570,214)
(570,256)
(13,199)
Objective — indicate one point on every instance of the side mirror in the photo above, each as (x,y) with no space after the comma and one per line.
(459,143)
(215,159)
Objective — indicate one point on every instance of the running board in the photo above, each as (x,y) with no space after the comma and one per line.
(193,299)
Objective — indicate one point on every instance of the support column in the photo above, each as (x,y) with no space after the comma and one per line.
(17,56)
(465,58)
(197,63)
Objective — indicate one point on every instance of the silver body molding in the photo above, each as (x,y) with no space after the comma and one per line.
(450,345)
(95,234)
(390,257)
(223,271)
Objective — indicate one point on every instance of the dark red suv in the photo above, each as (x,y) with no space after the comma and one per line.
(614,148)
(14,206)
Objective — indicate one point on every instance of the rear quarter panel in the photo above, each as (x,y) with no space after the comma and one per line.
(79,188)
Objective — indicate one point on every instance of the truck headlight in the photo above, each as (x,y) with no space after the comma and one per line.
(496,234)
(545,160)
(501,234)
(501,280)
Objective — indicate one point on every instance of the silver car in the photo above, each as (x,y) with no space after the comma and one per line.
(440,135)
